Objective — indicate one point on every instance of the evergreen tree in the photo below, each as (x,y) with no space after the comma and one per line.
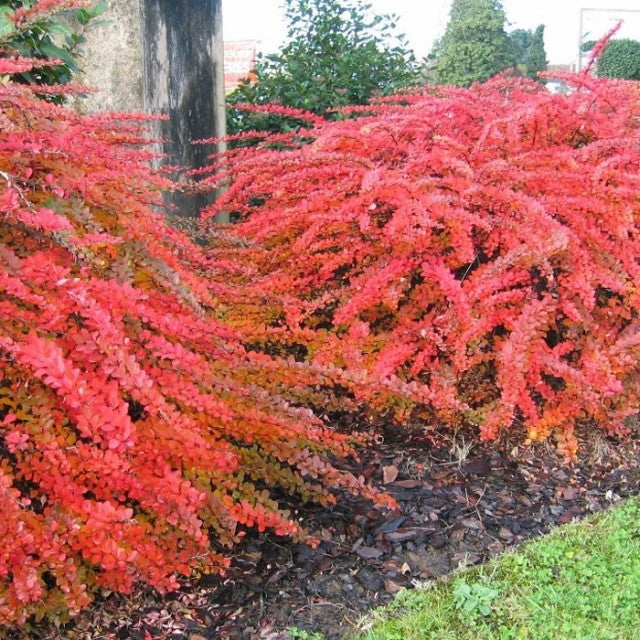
(475,45)
(336,54)
(537,58)
(520,40)
(621,59)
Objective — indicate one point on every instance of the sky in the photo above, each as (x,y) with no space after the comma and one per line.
(423,21)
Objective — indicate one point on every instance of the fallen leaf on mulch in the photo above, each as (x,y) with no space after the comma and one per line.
(389,474)
(369,552)
(392,587)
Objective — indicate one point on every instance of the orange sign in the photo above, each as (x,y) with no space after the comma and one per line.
(239,62)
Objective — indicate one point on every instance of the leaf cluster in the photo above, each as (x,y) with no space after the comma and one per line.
(53,36)
(474,598)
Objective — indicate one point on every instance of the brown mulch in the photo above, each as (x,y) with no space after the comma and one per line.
(457,508)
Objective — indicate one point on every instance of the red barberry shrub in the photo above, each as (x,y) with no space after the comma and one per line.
(137,436)
(466,256)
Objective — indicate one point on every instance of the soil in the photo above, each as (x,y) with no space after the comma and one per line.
(457,507)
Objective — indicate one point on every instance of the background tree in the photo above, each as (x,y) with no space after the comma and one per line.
(336,54)
(529,54)
(475,45)
(520,40)
(537,55)
(621,59)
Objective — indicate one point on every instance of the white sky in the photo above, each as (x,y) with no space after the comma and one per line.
(422,21)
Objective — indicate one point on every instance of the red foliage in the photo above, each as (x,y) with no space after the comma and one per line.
(464,256)
(134,427)
(600,46)
(23,17)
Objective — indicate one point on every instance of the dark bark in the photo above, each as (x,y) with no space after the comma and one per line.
(183,77)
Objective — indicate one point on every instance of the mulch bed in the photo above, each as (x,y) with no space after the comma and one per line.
(457,508)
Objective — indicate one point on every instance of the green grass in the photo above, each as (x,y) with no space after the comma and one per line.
(581,582)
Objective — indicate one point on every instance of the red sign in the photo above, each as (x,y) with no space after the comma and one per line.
(239,62)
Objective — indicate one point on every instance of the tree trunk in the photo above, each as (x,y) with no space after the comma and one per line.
(184,79)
